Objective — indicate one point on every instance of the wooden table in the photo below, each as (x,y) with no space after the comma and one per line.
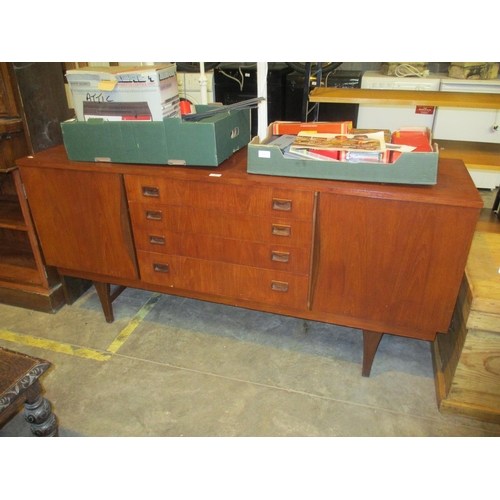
(20,384)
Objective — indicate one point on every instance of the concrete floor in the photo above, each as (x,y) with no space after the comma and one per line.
(170,366)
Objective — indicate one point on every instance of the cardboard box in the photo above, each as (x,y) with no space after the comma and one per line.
(155,86)
(409,168)
(170,142)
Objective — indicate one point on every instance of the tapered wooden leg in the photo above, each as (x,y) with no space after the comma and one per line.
(496,203)
(106,298)
(371,340)
(103,290)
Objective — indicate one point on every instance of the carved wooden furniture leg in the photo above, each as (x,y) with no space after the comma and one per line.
(371,341)
(106,298)
(38,412)
(19,384)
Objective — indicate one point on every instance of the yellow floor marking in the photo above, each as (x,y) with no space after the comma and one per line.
(51,345)
(134,323)
(83,352)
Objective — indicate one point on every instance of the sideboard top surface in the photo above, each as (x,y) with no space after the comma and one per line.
(454,186)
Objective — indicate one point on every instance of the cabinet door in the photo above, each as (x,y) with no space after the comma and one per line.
(391,265)
(82,220)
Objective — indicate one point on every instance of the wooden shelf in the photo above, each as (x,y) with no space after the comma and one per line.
(406,97)
(17,264)
(473,154)
(11,215)
(10,125)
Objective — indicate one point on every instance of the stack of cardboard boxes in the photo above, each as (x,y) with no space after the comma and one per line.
(132,115)
(124,92)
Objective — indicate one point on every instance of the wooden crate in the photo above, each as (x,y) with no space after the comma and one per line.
(467,359)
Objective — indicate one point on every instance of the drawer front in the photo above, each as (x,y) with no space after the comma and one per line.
(158,220)
(222,279)
(283,203)
(248,253)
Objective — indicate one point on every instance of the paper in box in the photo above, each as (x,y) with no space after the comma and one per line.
(409,168)
(153,86)
(417,137)
(289,127)
(171,141)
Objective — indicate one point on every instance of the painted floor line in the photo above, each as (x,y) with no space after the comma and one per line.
(83,352)
(134,323)
(52,345)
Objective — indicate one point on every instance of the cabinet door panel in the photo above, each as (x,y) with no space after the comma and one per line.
(393,263)
(82,220)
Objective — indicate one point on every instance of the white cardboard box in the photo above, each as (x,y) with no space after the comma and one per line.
(154,85)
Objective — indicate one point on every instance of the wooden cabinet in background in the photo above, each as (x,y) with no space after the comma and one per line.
(32,104)
(381,258)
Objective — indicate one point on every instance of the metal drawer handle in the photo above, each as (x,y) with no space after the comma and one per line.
(150,191)
(279,286)
(280,256)
(284,205)
(279,230)
(161,268)
(153,214)
(157,240)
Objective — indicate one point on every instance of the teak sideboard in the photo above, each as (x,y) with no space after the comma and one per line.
(380,258)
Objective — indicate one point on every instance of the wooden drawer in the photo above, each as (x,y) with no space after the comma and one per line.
(218,278)
(158,220)
(249,253)
(281,203)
